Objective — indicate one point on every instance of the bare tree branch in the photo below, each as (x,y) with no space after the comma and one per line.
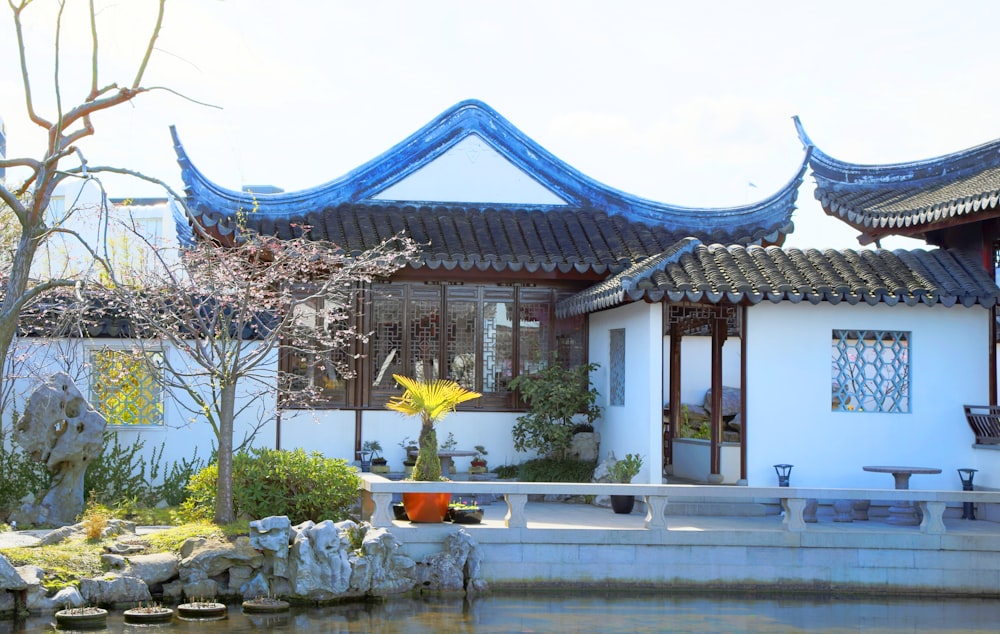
(22,56)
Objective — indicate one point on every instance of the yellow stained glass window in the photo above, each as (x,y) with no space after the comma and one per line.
(124,388)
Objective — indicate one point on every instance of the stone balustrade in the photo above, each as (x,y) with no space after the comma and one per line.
(379,492)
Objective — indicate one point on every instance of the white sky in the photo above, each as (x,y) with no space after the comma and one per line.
(681,102)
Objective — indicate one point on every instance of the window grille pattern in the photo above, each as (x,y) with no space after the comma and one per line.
(124,388)
(387,336)
(498,341)
(534,328)
(461,342)
(617,366)
(314,376)
(871,371)
(480,335)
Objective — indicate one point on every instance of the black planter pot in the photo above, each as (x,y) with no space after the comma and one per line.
(622,504)
(465,516)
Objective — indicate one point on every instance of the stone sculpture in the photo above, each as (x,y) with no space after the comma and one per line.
(60,429)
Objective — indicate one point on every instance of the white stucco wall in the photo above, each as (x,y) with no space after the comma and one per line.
(789,417)
(182,431)
(331,432)
(634,427)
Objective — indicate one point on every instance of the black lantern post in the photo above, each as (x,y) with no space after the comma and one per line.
(783,471)
(968,508)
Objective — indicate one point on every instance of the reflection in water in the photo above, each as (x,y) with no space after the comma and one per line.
(606,614)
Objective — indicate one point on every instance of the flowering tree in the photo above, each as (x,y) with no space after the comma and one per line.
(25,220)
(227,310)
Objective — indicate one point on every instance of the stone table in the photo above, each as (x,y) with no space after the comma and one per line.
(902,512)
(447,458)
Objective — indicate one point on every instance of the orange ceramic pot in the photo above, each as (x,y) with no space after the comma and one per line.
(426,507)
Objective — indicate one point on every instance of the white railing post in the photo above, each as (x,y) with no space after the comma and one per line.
(656,506)
(793,508)
(515,510)
(933,521)
(382,512)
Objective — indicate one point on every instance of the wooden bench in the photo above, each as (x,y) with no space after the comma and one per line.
(985,423)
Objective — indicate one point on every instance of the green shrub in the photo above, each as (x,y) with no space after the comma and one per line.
(20,475)
(303,486)
(555,396)
(120,472)
(199,505)
(551,470)
(508,471)
(174,489)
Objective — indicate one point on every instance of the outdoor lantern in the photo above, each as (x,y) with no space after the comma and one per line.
(968,508)
(783,470)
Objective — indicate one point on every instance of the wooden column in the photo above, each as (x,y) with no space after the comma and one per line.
(743,393)
(992,355)
(674,396)
(719,331)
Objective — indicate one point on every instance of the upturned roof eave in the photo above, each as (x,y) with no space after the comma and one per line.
(474,117)
(836,173)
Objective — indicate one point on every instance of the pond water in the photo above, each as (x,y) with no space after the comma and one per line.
(588,611)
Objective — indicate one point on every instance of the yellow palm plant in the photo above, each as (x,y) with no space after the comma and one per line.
(432,401)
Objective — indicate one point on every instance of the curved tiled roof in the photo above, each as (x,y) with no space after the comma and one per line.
(908,198)
(474,238)
(695,272)
(347,205)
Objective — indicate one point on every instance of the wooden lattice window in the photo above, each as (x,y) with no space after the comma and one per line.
(124,387)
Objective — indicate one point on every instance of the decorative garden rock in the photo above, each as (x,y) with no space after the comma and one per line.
(201,589)
(60,429)
(173,591)
(319,565)
(10,579)
(79,530)
(585,446)
(211,558)
(155,568)
(114,589)
(731,401)
(454,569)
(272,535)
(256,587)
(380,570)
(36,597)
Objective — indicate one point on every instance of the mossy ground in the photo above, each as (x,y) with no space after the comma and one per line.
(69,561)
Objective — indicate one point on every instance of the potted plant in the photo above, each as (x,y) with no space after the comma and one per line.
(410,450)
(478,464)
(463,513)
(378,463)
(623,471)
(431,401)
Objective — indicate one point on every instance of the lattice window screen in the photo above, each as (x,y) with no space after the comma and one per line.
(123,387)
(617,367)
(871,371)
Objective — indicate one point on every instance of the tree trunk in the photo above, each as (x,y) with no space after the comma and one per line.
(17,283)
(428,466)
(224,486)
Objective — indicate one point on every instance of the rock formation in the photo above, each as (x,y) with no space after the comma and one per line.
(60,429)
(314,562)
